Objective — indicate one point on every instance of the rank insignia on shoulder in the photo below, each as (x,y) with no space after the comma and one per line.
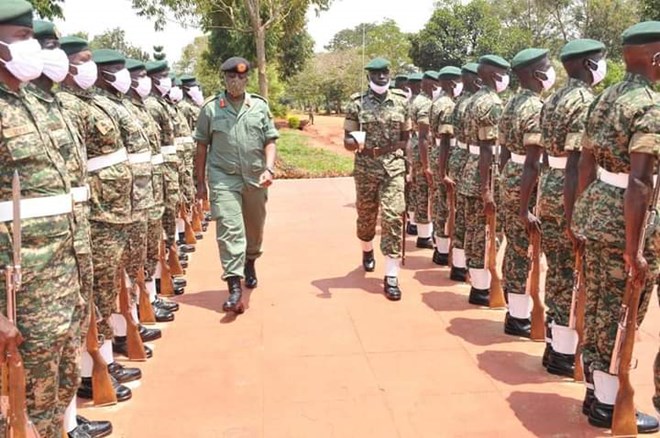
(222,103)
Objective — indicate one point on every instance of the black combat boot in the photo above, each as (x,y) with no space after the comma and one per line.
(124,374)
(120,346)
(94,429)
(458,274)
(368,261)
(163,315)
(439,258)
(424,242)
(85,390)
(170,306)
(149,334)
(391,288)
(517,326)
(250,274)
(479,297)
(411,229)
(561,364)
(589,395)
(601,415)
(233,303)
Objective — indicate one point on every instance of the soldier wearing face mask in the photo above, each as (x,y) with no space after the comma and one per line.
(68,141)
(192,99)
(46,330)
(562,124)
(236,137)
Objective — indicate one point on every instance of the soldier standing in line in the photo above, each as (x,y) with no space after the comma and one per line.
(414,88)
(562,124)
(483,115)
(621,138)
(377,128)
(458,157)
(110,181)
(451,86)
(48,306)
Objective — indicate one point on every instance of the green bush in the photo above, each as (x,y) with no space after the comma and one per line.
(294,122)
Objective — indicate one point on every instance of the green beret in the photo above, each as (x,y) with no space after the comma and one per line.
(401,78)
(642,33)
(236,64)
(73,44)
(134,64)
(470,67)
(187,78)
(378,64)
(527,57)
(15,12)
(449,72)
(108,56)
(415,77)
(176,81)
(431,74)
(156,66)
(495,60)
(581,47)
(44,29)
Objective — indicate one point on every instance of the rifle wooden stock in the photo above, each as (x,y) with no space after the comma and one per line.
(576,321)
(146,310)
(496,297)
(196,218)
(134,345)
(102,389)
(207,205)
(166,284)
(537,332)
(451,222)
(18,424)
(174,263)
(189,234)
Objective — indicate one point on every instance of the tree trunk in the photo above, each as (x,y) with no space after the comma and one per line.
(260,39)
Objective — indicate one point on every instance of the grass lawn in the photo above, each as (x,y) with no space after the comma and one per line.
(296,159)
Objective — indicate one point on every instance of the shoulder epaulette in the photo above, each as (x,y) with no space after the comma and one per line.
(209,100)
(399,92)
(356,96)
(259,97)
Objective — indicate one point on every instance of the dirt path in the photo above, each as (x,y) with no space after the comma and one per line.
(327,133)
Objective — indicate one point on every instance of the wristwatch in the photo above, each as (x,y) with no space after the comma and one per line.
(270,170)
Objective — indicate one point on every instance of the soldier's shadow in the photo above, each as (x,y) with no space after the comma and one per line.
(481,332)
(213,300)
(355,279)
(446,301)
(515,367)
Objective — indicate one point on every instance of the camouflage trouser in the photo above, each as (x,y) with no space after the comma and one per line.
(475,233)
(559,254)
(460,223)
(108,244)
(376,190)
(420,194)
(440,209)
(86,271)
(171,190)
(516,260)
(154,237)
(49,312)
(135,253)
(656,373)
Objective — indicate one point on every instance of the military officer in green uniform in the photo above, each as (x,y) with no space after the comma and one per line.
(236,138)
(377,128)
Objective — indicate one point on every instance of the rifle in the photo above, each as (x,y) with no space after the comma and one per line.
(578,302)
(166,284)
(146,310)
(406,189)
(496,296)
(173,262)
(102,390)
(134,345)
(188,230)
(196,218)
(537,332)
(624,422)
(12,399)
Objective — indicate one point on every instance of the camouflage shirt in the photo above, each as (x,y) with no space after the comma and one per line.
(458,117)
(160,112)
(440,122)
(420,110)
(383,121)
(190,111)
(110,187)
(562,125)
(623,119)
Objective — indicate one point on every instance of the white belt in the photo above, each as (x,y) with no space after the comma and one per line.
(80,194)
(461,145)
(157,159)
(182,140)
(168,150)
(474,150)
(619,180)
(452,142)
(142,157)
(38,207)
(107,160)
(557,162)
(518,159)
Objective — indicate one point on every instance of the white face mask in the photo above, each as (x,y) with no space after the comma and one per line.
(56,64)
(25,64)
(122,81)
(551,76)
(164,85)
(378,89)
(502,84)
(176,94)
(87,74)
(196,95)
(458,89)
(408,92)
(601,71)
(436,92)
(144,86)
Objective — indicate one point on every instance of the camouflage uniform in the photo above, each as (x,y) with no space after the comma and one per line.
(420,107)
(191,113)
(185,147)
(49,304)
(379,182)
(620,121)
(441,123)
(159,110)
(110,192)
(483,114)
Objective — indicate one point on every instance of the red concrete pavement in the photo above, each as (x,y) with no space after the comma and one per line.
(321,353)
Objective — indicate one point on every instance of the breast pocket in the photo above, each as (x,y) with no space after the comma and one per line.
(223,147)
(23,142)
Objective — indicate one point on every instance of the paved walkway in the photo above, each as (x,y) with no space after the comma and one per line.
(321,353)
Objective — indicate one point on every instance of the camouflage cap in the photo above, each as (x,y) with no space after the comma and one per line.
(156,66)
(642,33)
(134,64)
(108,56)
(579,48)
(470,67)
(236,64)
(73,44)
(527,57)
(378,64)
(44,29)
(15,12)
(449,72)
(494,60)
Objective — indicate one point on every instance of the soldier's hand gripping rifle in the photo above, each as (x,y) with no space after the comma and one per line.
(12,399)
(496,298)
(578,302)
(537,332)
(188,229)
(624,421)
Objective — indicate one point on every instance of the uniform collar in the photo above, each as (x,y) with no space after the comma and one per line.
(39,93)
(637,79)
(114,95)
(6,89)
(76,91)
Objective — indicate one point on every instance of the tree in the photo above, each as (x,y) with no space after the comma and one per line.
(650,10)
(159,55)
(48,9)
(116,39)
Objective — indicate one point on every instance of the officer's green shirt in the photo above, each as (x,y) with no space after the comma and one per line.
(235,140)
